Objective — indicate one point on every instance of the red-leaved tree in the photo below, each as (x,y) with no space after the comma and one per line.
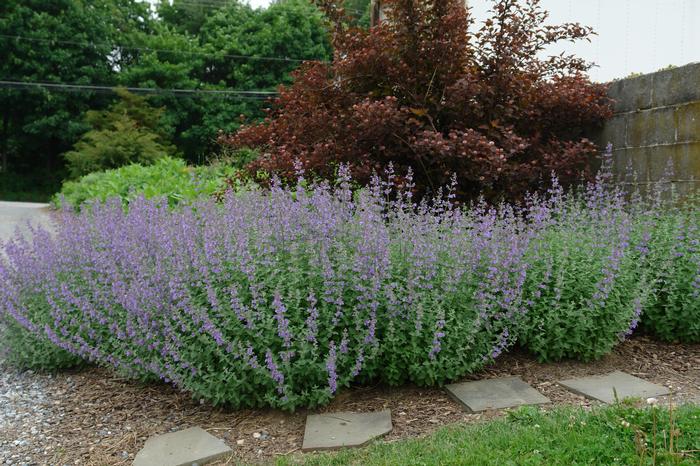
(423,90)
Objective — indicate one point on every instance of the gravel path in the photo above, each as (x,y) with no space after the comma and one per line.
(16,214)
(25,412)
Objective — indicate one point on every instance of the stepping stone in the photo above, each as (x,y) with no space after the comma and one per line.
(337,430)
(182,448)
(604,387)
(505,392)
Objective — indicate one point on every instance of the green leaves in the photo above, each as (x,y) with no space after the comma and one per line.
(168,177)
(674,312)
(129,131)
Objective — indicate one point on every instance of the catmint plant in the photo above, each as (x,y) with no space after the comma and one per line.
(283,297)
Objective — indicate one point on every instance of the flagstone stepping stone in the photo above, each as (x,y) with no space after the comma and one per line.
(338,430)
(604,387)
(183,448)
(505,392)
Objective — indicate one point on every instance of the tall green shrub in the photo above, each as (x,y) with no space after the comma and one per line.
(129,131)
(674,259)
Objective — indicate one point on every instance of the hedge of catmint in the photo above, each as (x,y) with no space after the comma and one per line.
(585,288)
(674,257)
(275,297)
(281,297)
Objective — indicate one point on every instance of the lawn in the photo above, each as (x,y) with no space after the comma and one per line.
(620,434)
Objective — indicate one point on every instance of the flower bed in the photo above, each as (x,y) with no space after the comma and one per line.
(282,297)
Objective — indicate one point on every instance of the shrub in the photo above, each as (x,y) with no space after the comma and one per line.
(168,177)
(282,297)
(424,90)
(129,131)
(585,287)
(674,314)
(33,350)
(278,297)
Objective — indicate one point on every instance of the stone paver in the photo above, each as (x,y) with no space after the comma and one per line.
(604,387)
(182,448)
(505,392)
(337,430)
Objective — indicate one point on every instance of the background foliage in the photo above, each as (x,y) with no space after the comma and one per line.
(120,42)
(168,177)
(128,131)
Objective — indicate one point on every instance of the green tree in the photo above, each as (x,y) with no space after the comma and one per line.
(238,48)
(62,42)
(358,11)
(118,42)
(129,131)
(188,16)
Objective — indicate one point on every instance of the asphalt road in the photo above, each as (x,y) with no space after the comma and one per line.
(17,214)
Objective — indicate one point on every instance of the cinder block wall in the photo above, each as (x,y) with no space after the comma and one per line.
(657,120)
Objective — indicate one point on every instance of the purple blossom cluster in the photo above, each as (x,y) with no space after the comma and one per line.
(281,297)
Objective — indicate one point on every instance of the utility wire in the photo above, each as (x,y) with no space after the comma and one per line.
(149,49)
(256,94)
(218,6)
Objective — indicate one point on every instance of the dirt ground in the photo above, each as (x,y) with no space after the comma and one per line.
(92,417)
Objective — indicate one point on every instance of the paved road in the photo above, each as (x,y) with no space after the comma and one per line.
(16,214)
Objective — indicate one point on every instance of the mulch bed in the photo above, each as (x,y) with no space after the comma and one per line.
(101,419)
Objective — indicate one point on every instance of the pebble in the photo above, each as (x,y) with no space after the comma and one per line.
(24,409)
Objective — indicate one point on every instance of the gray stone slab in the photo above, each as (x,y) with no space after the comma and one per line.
(505,392)
(604,387)
(182,448)
(338,430)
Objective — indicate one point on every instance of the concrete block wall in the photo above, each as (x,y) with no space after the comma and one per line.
(657,123)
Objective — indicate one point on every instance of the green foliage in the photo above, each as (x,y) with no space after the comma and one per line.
(129,131)
(529,436)
(215,59)
(584,284)
(29,351)
(358,12)
(237,158)
(42,42)
(674,313)
(192,44)
(37,186)
(167,177)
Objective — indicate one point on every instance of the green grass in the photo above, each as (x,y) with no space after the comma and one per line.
(528,436)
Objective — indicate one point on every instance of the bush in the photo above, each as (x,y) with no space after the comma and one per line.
(585,287)
(129,131)
(674,314)
(282,297)
(168,177)
(424,90)
(32,350)
(276,298)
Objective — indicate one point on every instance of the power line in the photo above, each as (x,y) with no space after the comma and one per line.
(150,49)
(213,6)
(249,94)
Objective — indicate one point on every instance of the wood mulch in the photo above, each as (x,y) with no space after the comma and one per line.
(98,418)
